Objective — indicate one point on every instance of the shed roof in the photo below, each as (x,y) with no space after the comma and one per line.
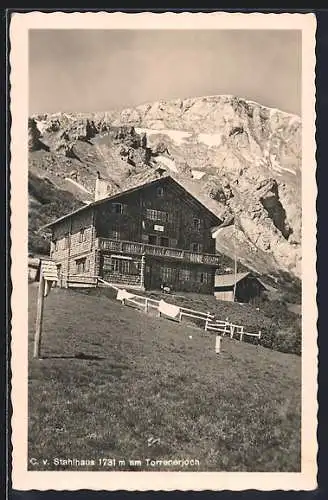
(229,279)
(115,196)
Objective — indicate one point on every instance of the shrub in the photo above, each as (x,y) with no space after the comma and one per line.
(288,340)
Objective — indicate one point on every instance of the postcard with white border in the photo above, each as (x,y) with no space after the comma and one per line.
(163,253)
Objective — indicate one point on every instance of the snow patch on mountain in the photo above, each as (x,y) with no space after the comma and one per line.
(210,139)
(41,124)
(197,174)
(168,162)
(177,136)
(78,185)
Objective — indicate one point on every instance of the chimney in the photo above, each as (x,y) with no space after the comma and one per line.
(101,190)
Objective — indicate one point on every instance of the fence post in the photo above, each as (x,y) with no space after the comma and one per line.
(146,305)
(39,318)
(226,326)
(218,344)
(207,321)
(241,334)
(231,331)
(47,287)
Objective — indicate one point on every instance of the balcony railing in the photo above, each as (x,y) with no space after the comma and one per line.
(136,248)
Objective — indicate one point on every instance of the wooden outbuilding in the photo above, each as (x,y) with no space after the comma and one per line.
(240,287)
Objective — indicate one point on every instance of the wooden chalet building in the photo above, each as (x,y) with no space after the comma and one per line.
(146,236)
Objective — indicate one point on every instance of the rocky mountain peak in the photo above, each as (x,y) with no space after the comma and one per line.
(239,157)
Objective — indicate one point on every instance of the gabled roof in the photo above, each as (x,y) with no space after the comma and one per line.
(118,195)
(229,279)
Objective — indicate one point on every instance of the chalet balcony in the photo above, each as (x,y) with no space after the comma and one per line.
(136,248)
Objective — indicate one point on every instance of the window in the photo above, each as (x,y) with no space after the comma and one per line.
(167,274)
(81,265)
(164,242)
(185,274)
(121,266)
(125,266)
(203,277)
(115,265)
(152,239)
(196,247)
(160,192)
(157,215)
(117,208)
(55,245)
(196,224)
(82,235)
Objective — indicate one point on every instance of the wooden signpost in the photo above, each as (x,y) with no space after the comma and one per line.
(218,344)
(47,276)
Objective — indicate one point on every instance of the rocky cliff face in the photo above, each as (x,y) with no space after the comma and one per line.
(240,158)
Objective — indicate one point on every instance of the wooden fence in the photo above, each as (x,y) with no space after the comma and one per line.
(227,328)
(221,327)
(191,313)
(146,304)
(104,282)
(210,323)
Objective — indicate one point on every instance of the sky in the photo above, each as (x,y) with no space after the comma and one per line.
(98,70)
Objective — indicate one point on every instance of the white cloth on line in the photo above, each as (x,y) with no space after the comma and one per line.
(168,309)
(123,294)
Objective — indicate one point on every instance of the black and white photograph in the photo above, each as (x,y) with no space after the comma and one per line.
(168,175)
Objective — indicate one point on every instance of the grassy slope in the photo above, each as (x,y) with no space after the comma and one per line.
(239,411)
(280,327)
